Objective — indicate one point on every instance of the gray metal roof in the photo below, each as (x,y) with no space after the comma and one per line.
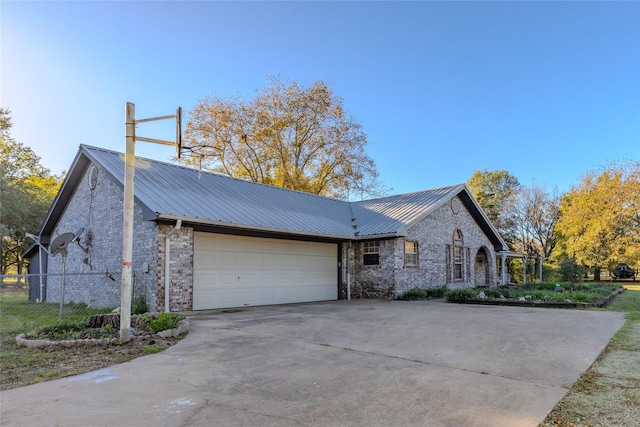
(396,213)
(169,191)
(172,191)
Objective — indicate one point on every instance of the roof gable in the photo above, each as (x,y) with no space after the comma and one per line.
(394,214)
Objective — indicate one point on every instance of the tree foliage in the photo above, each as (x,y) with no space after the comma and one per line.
(495,192)
(536,212)
(600,217)
(288,135)
(26,191)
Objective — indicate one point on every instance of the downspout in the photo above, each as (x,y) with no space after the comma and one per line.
(41,273)
(349,272)
(167,260)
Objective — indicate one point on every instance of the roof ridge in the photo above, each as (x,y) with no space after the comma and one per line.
(413,192)
(208,172)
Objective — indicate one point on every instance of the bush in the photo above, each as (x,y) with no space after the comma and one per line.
(139,305)
(497,293)
(461,294)
(162,322)
(570,271)
(417,293)
(72,330)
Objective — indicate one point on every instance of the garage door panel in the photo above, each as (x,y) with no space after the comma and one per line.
(235,271)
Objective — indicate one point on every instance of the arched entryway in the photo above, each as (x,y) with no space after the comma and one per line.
(482,268)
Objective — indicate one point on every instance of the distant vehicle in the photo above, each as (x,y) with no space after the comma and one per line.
(623,271)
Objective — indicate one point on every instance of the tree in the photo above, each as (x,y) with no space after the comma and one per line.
(26,191)
(600,217)
(5,122)
(289,136)
(536,212)
(495,192)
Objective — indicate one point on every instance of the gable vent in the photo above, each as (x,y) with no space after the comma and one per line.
(93,177)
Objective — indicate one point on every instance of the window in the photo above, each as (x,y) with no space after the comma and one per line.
(457,263)
(458,259)
(410,254)
(371,252)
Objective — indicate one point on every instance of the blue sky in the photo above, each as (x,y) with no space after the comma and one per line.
(545,90)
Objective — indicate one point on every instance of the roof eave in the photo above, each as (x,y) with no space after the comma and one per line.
(486,219)
(71,180)
(248,227)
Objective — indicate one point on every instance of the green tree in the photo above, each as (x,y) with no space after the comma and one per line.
(26,192)
(600,217)
(289,136)
(496,193)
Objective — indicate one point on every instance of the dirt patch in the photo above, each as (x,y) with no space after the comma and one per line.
(21,366)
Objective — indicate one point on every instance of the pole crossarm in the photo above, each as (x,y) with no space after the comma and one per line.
(152,119)
(155,141)
(128,205)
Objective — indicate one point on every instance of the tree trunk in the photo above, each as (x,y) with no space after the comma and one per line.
(596,274)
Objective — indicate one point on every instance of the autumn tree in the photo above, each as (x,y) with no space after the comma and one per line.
(600,217)
(535,214)
(26,191)
(495,192)
(288,135)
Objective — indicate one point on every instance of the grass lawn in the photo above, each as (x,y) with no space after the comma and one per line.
(21,366)
(608,394)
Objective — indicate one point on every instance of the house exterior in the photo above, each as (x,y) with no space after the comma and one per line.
(208,241)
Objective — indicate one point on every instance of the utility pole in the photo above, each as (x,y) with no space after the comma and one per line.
(127,219)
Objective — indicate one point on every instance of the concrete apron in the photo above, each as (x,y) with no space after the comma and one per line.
(358,363)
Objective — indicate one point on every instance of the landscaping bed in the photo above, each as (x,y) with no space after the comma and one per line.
(103,329)
(542,295)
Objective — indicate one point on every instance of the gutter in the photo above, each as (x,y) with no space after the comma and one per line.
(248,227)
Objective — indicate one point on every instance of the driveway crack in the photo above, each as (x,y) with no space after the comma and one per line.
(389,356)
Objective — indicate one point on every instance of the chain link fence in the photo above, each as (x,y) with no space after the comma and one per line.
(31,300)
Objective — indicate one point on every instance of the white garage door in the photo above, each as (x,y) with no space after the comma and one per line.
(237,271)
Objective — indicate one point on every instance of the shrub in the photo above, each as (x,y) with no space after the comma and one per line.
(570,271)
(541,296)
(417,293)
(497,293)
(72,330)
(139,305)
(545,286)
(162,322)
(461,294)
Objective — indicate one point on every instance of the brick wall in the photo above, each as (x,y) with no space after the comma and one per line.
(374,281)
(432,233)
(180,269)
(94,277)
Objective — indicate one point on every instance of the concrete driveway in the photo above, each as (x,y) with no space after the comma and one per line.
(358,363)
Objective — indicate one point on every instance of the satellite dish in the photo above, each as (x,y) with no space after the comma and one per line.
(76,235)
(61,242)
